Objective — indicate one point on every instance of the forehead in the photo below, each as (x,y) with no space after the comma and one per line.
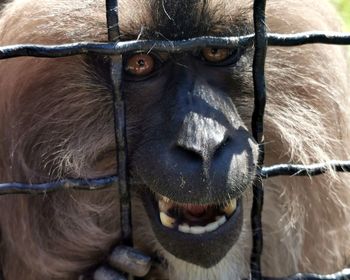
(62,21)
(172,19)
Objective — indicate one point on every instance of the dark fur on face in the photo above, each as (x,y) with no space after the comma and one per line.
(56,121)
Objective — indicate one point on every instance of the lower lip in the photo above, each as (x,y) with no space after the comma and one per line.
(182,245)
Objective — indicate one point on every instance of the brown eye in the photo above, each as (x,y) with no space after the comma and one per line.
(215,54)
(140,64)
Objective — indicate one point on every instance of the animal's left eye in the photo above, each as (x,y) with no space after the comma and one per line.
(215,54)
(221,56)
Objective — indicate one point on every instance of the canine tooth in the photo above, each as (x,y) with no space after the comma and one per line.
(184,228)
(163,206)
(211,227)
(166,220)
(165,199)
(197,230)
(231,207)
(222,220)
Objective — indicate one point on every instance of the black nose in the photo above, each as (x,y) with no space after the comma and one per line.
(201,137)
(204,160)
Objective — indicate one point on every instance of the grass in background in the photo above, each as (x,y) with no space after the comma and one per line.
(344,8)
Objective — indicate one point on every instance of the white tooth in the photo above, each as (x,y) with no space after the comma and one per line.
(166,220)
(222,220)
(165,199)
(184,228)
(231,207)
(197,230)
(211,227)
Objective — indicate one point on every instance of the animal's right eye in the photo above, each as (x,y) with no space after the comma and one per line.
(139,64)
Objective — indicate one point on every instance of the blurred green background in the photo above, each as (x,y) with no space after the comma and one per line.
(344,8)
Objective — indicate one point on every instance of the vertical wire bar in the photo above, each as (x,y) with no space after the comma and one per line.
(116,68)
(112,20)
(258,133)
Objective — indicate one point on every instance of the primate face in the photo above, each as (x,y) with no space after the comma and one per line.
(194,152)
(188,115)
(192,149)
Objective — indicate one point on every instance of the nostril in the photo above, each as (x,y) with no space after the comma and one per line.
(200,137)
(189,154)
(203,150)
(221,147)
(225,141)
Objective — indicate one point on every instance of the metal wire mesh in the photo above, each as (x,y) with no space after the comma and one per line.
(116,71)
(115,49)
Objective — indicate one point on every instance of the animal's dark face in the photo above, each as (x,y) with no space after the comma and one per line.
(192,150)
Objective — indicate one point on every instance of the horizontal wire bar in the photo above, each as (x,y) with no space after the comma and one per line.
(274,39)
(121,47)
(341,275)
(297,39)
(100,183)
(77,184)
(304,170)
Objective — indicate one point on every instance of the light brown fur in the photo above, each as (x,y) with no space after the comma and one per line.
(306,221)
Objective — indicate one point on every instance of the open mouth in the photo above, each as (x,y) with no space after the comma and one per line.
(199,234)
(194,219)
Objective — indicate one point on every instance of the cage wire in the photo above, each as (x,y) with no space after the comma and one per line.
(115,49)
